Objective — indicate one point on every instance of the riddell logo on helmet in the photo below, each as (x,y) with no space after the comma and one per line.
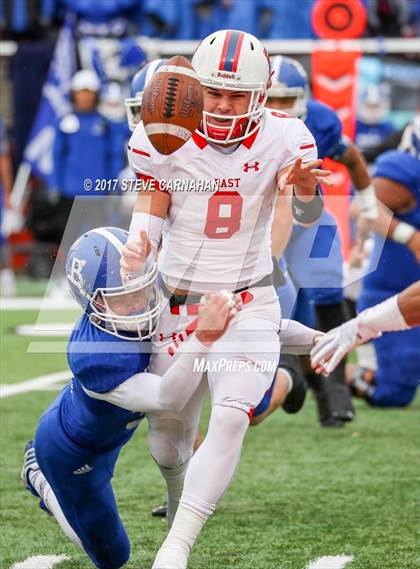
(225,75)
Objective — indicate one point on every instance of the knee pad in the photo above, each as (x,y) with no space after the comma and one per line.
(170,442)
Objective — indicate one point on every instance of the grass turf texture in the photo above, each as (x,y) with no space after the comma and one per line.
(300,492)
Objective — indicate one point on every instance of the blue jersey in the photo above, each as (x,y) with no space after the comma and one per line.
(370,135)
(99,362)
(394,267)
(326,128)
(83,148)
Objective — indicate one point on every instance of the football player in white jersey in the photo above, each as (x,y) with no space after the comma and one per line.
(217,236)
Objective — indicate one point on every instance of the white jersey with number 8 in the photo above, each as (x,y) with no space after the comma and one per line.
(218,229)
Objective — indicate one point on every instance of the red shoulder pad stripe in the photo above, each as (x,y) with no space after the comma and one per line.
(305,146)
(137,151)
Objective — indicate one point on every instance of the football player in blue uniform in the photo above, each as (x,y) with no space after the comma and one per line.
(372,124)
(70,464)
(394,265)
(314,254)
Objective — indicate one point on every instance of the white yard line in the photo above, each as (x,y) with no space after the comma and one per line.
(330,562)
(51,329)
(35,384)
(38,303)
(40,562)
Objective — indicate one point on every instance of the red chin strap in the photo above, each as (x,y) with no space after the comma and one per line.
(221,133)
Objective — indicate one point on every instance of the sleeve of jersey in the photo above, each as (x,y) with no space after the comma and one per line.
(399,167)
(335,142)
(301,144)
(142,161)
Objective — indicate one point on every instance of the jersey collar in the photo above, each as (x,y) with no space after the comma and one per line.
(201,142)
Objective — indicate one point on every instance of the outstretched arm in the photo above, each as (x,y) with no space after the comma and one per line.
(399,312)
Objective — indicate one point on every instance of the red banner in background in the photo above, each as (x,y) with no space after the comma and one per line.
(334,81)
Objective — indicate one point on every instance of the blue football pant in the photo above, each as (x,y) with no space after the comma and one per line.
(85,496)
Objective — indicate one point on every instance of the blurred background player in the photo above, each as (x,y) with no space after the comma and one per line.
(7,277)
(394,267)
(373,126)
(78,440)
(84,149)
(290,92)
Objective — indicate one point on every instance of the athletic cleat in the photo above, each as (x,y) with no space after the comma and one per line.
(45,508)
(29,465)
(297,395)
(160,511)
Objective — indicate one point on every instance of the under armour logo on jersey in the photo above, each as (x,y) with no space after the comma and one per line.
(75,273)
(248,166)
(83,469)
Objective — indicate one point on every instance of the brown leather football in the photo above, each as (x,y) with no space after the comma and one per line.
(172,105)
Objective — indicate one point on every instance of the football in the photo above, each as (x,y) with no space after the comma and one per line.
(172,105)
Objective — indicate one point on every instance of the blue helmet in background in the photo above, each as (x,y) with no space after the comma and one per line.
(289,80)
(130,311)
(138,85)
(410,141)
(374,104)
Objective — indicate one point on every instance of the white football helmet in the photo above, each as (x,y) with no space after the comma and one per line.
(237,61)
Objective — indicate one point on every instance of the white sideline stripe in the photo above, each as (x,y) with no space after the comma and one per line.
(38,303)
(166,128)
(54,329)
(40,562)
(178,69)
(330,562)
(35,384)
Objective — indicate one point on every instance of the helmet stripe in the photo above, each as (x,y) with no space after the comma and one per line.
(110,237)
(224,51)
(237,52)
(230,51)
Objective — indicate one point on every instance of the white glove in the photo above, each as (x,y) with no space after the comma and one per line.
(331,348)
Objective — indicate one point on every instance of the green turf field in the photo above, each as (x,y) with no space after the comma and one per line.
(300,492)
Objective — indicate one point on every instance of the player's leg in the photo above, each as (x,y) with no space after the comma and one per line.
(288,390)
(78,483)
(398,373)
(244,361)
(171,435)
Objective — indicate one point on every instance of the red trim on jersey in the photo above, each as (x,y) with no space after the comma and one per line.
(137,151)
(224,51)
(282,115)
(175,309)
(305,146)
(246,297)
(147,178)
(248,142)
(237,52)
(200,141)
(251,413)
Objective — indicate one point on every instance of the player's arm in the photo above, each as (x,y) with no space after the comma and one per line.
(303,175)
(148,392)
(149,213)
(282,225)
(356,165)
(393,198)
(397,313)
(296,338)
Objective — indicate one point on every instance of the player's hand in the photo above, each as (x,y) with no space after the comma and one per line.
(304,176)
(133,257)
(330,349)
(414,245)
(214,315)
